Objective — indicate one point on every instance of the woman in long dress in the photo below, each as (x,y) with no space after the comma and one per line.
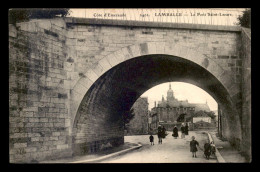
(175,132)
(186,129)
(159,135)
(182,131)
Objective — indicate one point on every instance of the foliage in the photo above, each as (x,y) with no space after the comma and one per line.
(245,19)
(210,114)
(22,15)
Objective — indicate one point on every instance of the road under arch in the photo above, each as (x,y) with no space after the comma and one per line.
(99,116)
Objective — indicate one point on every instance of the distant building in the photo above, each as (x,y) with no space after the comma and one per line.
(201,116)
(172,112)
(205,119)
(139,124)
(202,120)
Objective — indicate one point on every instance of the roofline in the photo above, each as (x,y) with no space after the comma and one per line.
(109,22)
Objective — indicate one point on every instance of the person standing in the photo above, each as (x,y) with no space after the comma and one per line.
(151,139)
(193,146)
(186,129)
(163,132)
(207,150)
(175,132)
(160,134)
(182,131)
(213,148)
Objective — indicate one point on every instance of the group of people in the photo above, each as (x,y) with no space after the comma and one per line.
(161,134)
(209,148)
(184,131)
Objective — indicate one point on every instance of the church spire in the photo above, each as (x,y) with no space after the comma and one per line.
(170,96)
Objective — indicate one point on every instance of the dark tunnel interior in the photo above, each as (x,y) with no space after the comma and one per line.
(117,90)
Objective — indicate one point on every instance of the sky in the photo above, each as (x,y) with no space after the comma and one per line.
(181,91)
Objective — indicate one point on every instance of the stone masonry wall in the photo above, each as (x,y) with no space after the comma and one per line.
(90,43)
(246,92)
(38,112)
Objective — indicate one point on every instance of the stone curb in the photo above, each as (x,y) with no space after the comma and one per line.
(108,156)
(218,155)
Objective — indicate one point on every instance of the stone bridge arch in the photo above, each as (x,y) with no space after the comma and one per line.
(86,83)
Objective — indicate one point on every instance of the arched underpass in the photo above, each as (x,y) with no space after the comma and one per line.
(99,116)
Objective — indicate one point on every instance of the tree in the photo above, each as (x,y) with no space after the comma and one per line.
(244,20)
(22,15)
(211,114)
(128,116)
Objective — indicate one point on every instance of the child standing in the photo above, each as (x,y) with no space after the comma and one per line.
(207,150)
(151,139)
(193,146)
(213,148)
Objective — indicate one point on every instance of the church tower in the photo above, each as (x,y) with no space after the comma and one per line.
(170,96)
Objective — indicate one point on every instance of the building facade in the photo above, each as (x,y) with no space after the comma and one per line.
(172,112)
(139,124)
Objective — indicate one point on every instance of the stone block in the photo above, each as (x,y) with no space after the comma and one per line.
(31,149)
(54,138)
(160,47)
(20,145)
(91,75)
(44,24)
(119,55)
(59,124)
(56,133)
(98,69)
(16,119)
(30,109)
(18,135)
(20,124)
(58,22)
(78,92)
(104,64)
(12,31)
(86,82)
(43,120)
(35,139)
(112,59)
(67,123)
(151,47)
(71,41)
(64,146)
(135,50)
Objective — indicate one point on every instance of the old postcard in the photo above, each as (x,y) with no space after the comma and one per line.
(117,85)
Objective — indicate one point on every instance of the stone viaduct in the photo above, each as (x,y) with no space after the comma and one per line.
(70,79)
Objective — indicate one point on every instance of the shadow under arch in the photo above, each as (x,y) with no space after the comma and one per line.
(99,116)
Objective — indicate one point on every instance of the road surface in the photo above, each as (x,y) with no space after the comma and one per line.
(170,151)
